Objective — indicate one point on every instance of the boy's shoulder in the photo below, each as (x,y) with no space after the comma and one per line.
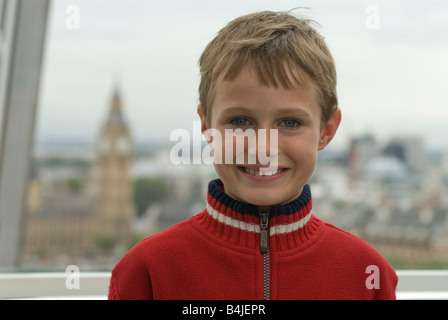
(344,237)
(347,245)
(357,265)
(131,277)
(163,241)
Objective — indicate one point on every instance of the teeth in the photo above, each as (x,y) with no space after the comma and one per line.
(266,173)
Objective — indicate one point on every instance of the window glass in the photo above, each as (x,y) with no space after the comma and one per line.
(120,77)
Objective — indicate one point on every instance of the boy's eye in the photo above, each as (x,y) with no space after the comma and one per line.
(239,122)
(290,123)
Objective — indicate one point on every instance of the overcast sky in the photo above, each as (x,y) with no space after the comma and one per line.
(391,59)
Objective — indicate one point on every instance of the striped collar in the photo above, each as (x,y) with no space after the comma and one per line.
(292,222)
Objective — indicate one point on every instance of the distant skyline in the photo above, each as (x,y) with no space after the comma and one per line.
(390,58)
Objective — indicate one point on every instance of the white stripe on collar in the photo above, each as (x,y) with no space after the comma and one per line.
(250,227)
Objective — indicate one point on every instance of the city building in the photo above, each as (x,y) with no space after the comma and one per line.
(395,198)
(112,176)
(84,216)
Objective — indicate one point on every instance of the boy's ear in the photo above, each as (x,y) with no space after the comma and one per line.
(202,117)
(330,129)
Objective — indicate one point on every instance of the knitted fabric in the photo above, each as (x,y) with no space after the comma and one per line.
(216,255)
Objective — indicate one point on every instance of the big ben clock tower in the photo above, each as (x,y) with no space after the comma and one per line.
(115,208)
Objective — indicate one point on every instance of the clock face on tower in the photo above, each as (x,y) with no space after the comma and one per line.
(122,145)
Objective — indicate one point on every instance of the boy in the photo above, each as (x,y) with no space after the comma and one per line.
(257,237)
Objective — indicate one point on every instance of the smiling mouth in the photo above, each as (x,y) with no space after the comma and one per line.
(264,174)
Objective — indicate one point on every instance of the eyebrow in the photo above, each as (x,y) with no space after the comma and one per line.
(285,110)
(294,110)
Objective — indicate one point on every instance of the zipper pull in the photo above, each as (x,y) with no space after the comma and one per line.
(264,218)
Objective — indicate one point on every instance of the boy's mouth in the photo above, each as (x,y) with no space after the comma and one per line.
(257,173)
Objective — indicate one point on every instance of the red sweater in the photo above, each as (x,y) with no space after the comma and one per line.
(217,254)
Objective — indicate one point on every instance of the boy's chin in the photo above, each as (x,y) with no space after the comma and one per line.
(264,200)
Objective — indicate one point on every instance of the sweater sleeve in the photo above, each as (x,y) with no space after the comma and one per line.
(369,271)
(389,281)
(130,279)
(129,285)
(113,291)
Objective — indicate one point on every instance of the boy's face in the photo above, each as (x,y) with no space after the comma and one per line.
(245,103)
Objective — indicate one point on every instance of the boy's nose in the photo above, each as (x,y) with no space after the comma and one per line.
(265,147)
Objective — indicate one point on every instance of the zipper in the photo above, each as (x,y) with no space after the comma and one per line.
(264,250)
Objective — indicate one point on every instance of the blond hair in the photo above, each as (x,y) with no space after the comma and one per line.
(277,46)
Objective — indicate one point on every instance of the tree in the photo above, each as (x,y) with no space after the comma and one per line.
(75,185)
(147,191)
(105,242)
